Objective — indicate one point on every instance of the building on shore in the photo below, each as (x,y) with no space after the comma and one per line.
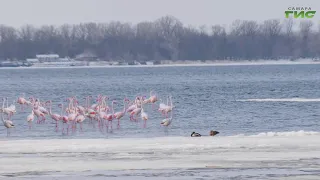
(53,60)
(48,57)
(9,64)
(149,63)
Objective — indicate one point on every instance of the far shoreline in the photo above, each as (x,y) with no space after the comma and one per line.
(171,64)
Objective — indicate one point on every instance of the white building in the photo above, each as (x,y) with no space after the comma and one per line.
(149,63)
(32,60)
(47,57)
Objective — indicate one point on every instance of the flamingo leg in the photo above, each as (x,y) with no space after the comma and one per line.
(63,128)
(67,129)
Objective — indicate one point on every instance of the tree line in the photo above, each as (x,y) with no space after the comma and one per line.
(165,39)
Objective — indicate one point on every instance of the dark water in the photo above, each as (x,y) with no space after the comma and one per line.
(205,98)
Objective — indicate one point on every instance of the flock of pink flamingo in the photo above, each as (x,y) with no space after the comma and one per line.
(73,113)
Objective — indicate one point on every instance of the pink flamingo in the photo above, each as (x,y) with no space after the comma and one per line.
(136,112)
(42,109)
(131,107)
(64,119)
(144,116)
(71,118)
(30,118)
(22,101)
(79,119)
(9,110)
(102,114)
(39,114)
(110,116)
(89,112)
(54,116)
(168,108)
(120,114)
(152,99)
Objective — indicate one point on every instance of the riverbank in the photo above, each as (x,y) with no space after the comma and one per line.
(188,63)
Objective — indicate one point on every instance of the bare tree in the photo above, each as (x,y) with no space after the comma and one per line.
(169,29)
(164,38)
(305,32)
(8,42)
(271,31)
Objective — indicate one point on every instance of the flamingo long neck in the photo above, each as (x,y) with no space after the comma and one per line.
(62,110)
(142,107)
(74,102)
(2,118)
(99,105)
(112,107)
(69,105)
(50,109)
(89,101)
(124,106)
(105,102)
(3,103)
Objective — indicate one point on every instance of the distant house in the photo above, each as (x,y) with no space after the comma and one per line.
(86,56)
(32,61)
(149,63)
(47,57)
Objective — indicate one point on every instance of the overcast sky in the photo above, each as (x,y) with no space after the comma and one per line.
(193,12)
